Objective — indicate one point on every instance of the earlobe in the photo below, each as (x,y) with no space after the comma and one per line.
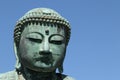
(60,69)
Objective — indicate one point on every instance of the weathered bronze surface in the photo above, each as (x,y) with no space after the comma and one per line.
(40,40)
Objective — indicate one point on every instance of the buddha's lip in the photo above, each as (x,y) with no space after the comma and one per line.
(42,57)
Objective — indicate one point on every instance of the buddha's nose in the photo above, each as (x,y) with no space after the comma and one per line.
(45,49)
(46,46)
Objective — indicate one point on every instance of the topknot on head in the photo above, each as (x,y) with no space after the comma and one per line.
(43,14)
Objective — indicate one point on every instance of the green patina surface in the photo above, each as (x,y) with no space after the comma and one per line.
(40,40)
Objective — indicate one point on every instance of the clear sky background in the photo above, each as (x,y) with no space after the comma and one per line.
(94,49)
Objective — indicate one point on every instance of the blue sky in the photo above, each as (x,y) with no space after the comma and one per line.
(94,49)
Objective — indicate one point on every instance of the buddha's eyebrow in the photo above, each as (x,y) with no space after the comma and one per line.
(57,35)
(36,33)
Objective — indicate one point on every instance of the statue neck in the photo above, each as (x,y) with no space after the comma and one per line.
(33,75)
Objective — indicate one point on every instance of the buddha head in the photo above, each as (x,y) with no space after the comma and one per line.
(41,37)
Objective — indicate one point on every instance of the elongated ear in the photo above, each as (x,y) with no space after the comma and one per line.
(18,64)
(60,67)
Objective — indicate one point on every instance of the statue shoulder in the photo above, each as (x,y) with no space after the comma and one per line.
(64,77)
(11,75)
(68,78)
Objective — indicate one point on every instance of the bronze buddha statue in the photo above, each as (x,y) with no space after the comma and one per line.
(40,40)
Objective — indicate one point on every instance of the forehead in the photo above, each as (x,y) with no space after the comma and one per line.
(41,28)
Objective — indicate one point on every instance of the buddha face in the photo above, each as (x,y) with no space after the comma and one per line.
(42,48)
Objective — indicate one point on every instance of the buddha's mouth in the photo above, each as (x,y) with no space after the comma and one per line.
(45,59)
